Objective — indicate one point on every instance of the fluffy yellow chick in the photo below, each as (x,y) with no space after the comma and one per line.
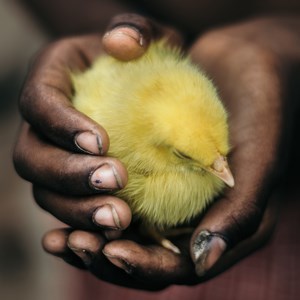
(167,125)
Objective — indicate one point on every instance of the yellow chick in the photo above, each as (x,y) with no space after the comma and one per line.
(167,125)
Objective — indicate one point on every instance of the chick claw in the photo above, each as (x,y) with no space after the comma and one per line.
(169,245)
(158,237)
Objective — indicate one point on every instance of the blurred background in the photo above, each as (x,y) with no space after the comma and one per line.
(26,271)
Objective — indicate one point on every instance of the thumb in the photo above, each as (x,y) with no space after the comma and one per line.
(129,35)
(232,220)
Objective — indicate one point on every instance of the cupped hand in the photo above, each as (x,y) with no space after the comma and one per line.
(249,75)
(63,152)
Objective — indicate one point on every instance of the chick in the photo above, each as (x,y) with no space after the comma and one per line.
(167,125)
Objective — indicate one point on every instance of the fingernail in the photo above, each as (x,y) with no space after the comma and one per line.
(105,178)
(119,262)
(107,216)
(89,142)
(208,248)
(124,43)
(125,31)
(83,254)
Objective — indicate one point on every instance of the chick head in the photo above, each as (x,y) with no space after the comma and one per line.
(188,122)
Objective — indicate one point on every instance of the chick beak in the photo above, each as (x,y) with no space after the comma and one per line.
(221,169)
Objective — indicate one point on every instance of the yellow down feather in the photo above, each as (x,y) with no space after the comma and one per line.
(167,125)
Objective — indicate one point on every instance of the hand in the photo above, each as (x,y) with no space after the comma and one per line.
(240,217)
(61,151)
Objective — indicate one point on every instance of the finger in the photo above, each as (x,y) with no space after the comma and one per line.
(65,172)
(249,244)
(86,245)
(55,243)
(77,248)
(228,223)
(129,35)
(255,128)
(150,263)
(129,264)
(92,213)
(46,98)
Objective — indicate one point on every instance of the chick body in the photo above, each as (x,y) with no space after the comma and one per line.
(165,123)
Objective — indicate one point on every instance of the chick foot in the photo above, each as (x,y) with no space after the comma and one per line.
(161,240)
(159,237)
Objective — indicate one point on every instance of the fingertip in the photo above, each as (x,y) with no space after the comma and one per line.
(119,262)
(207,249)
(129,35)
(110,175)
(125,43)
(86,245)
(113,213)
(120,253)
(80,239)
(124,213)
(120,248)
(92,141)
(120,172)
(55,241)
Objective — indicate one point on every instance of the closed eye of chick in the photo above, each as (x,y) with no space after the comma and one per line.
(167,125)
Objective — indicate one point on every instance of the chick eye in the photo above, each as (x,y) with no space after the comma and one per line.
(181,155)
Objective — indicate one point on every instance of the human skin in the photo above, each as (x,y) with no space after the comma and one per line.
(249,67)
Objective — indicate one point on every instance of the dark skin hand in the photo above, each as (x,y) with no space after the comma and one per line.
(248,65)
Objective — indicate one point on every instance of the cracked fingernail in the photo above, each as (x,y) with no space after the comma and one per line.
(208,248)
(107,216)
(89,142)
(105,177)
(119,262)
(83,254)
